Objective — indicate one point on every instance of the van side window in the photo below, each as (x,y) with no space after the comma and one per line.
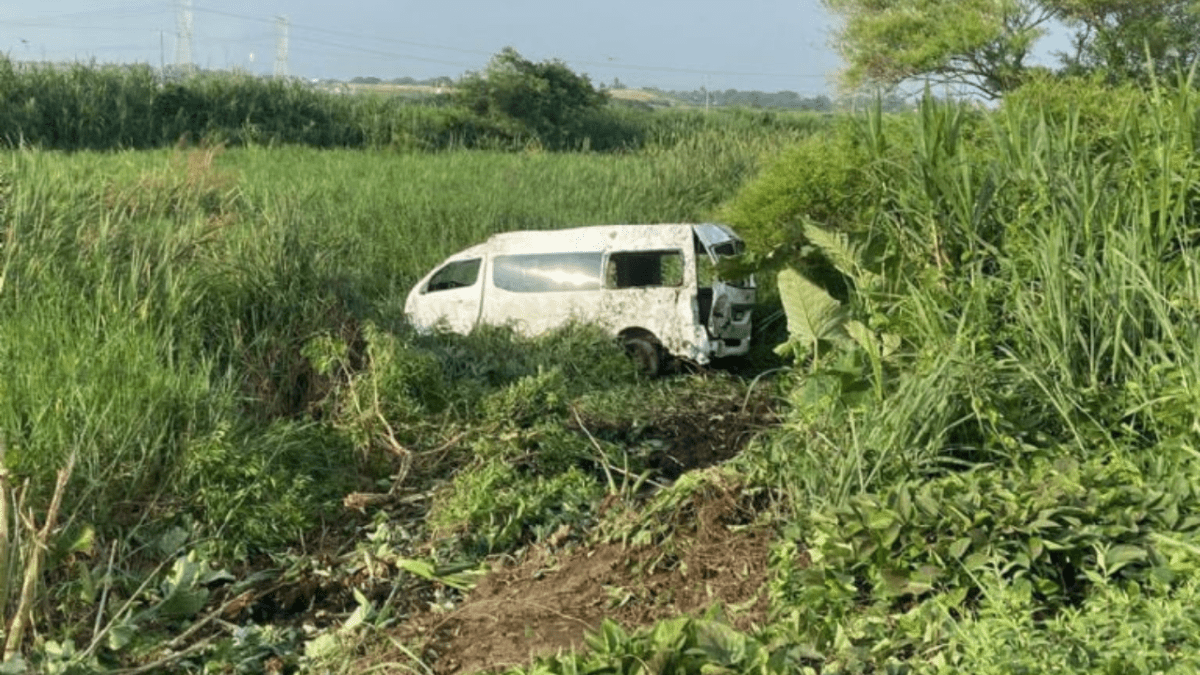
(547,272)
(458,274)
(639,269)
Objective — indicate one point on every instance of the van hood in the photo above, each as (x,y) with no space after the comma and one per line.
(718,239)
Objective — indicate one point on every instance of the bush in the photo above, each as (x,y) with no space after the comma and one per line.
(547,99)
(819,178)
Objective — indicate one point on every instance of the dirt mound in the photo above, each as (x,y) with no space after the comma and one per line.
(700,427)
(550,600)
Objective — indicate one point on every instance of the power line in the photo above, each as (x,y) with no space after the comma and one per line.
(155,8)
(295,37)
(376,52)
(356,36)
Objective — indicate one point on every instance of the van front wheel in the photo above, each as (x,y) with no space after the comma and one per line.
(645,352)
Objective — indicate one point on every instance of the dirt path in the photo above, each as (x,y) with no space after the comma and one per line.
(549,601)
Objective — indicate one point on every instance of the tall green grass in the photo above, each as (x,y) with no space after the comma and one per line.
(98,107)
(158,304)
(1029,448)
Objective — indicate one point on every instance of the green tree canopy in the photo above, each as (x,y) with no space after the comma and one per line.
(547,98)
(1121,37)
(986,44)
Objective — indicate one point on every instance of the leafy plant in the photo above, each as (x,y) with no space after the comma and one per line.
(546,100)
(681,646)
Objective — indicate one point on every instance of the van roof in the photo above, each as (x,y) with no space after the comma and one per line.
(598,238)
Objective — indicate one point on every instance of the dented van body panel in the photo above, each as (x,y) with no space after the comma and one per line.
(646,280)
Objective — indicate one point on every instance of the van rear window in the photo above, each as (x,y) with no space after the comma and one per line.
(547,272)
(639,269)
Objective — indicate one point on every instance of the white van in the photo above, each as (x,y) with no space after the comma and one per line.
(654,286)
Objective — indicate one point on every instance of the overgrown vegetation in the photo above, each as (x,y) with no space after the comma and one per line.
(514,105)
(981,458)
(216,337)
(990,46)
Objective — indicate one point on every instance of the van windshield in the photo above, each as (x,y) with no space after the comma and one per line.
(547,272)
(454,275)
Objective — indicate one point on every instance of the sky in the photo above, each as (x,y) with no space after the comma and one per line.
(765,45)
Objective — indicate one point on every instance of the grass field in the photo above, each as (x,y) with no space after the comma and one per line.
(981,458)
(188,327)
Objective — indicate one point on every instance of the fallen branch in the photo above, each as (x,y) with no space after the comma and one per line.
(23,617)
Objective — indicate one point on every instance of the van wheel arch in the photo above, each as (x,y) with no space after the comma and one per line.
(644,348)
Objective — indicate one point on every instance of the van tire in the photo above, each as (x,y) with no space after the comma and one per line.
(645,352)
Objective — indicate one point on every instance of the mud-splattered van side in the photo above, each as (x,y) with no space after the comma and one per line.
(655,286)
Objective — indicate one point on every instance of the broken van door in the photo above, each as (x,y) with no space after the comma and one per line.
(453,294)
(728,304)
(646,294)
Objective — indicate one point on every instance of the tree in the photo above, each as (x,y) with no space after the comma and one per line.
(986,44)
(547,98)
(1122,37)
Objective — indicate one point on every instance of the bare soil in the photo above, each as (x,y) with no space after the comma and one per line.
(557,591)
(550,600)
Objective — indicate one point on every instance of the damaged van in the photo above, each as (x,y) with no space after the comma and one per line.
(655,287)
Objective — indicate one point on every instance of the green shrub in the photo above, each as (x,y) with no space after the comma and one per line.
(494,507)
(545,99)
(819,178)
(252,491)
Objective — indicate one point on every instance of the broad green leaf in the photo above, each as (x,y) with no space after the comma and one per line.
(864,337)
(359,616)
(960,546)
(880,519)
(1036,547)
(836,247)
(183,603)
(975,561)
(671,633)
(812,313)
(84,541)
(418,567)
(721,642)
(120,635)
(171,542)
(928,504)
(183,596)
(321,646)
(1122,555)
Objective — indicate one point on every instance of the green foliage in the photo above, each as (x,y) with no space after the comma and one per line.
(545,100)
(526,478)
(819,178)
(986,44)
(890,574)
(102,107)
(681,646)
(1024,467)
(980,43)
(989,459)
(540,105)
(495,507)
(257,490)
(1133,41)
(1119,628)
